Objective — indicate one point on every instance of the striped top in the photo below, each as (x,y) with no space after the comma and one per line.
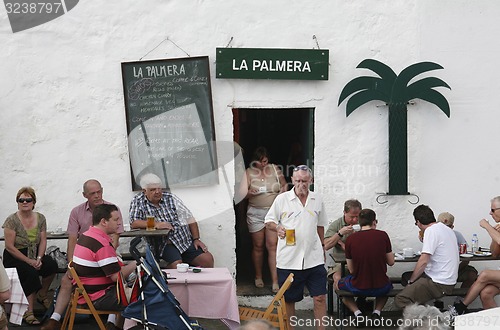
(95,261)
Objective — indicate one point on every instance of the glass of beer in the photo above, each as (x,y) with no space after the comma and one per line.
(150,222)
(290,236)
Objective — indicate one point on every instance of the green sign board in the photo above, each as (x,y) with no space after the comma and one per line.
(266,63)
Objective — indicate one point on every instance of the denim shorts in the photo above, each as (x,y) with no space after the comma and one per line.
(171,253)
(345,284)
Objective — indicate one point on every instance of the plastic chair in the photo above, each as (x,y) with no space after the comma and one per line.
(278,318)
(89,309)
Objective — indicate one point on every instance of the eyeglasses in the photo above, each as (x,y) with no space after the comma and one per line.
(416,222)
(302,168)
(27,200)
(493,210)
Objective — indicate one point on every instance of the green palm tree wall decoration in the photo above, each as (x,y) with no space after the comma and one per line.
(396,93)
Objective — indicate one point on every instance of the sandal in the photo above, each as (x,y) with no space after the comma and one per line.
(44,301)
(259,283)
(30,319)
(276,287)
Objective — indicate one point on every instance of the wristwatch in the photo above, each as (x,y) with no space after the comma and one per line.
(338,233)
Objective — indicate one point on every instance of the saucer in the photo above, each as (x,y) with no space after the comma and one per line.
(466,255)
(482,254)
(58,233)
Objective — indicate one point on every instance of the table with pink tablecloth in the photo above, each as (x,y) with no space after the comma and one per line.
(17,297)
(210,294)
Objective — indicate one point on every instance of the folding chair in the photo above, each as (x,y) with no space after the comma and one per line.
(278,318)
(74,308)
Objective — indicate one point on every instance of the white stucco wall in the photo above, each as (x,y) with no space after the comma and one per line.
(63,118)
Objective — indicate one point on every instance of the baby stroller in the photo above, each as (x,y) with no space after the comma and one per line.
(156,307)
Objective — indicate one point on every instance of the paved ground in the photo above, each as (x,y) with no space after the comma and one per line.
(303,322)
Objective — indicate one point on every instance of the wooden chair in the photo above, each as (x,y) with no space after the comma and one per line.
(278,318)
(89,309)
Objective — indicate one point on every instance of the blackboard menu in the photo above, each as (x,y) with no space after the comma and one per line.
(170,128)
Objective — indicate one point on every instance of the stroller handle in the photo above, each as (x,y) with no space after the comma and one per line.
(133,249)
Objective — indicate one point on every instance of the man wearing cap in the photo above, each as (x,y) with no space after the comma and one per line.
(184,243)
(466,274)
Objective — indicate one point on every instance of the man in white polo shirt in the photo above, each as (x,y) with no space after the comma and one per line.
(302,210)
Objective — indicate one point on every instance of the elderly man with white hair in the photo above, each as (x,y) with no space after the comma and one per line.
(184,243)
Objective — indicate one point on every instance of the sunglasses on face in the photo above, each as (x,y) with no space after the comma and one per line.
(27,200)
(302,168)
(493,210)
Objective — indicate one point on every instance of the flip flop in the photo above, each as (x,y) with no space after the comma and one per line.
(259,283)
(30,319)
(46,302)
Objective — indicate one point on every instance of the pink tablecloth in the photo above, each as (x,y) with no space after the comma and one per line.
(210,294)
(17,297)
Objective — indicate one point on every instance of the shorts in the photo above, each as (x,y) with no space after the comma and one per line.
(345,283)
(109,301)
(463,274)
(170,254)
(313,278)
(255,218)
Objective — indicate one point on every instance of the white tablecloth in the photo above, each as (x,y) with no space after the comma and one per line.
(17,297)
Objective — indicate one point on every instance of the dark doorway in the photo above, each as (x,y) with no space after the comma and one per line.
(288,135)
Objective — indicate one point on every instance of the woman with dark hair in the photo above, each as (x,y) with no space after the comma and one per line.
(25,243)
(265,181)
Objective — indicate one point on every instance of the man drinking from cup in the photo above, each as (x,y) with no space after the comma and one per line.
(303,212)
(339,230)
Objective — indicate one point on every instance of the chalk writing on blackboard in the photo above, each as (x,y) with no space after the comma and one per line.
(170,120)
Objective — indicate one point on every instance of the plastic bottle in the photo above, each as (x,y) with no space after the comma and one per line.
(475,243)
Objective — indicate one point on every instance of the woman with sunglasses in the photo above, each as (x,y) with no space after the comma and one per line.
(25,243)
(265,181)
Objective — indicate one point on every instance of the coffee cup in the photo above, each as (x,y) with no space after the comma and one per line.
(58,230)
(182,268)
(408,253)
(356,227)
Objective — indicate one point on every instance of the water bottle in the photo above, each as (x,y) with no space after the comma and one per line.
(475,243)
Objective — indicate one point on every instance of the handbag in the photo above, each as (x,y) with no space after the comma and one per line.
(60,257)
(127,291)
